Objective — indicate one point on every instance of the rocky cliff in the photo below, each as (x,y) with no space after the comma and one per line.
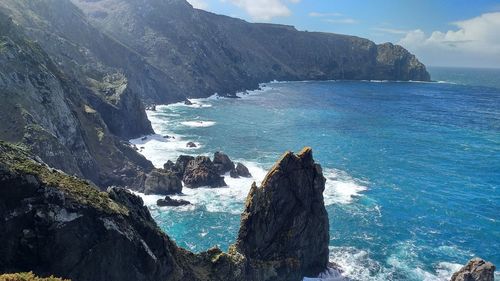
(206,53)
(167,50)
(54,223)
(50,112)
(75,73)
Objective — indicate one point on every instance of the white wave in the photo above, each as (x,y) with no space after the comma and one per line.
(159,150)
(340,188)
(200,124)
(330,274)
(356,264)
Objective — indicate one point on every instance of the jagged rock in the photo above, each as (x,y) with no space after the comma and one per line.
(191,144)
(179,166)
(234,174)
(61,225)
(169,166)
(475,270)
(169,202)
(285,223)
(202,172)
(240,171)
(182,161)
(222,163)
(67,227)
(162,182)
(60,119)
(188,102)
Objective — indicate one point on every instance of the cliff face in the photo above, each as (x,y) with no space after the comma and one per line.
(168,50)
(48,111)
(58,224)
(91,57)
(206,53)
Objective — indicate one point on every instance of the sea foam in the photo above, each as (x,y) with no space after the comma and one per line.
(197,123)
(341,188)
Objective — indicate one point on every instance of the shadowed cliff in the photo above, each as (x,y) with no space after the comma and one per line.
(58,224)
(167,50)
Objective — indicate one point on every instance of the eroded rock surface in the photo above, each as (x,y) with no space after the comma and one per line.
(285,222)
(475,270)
(162,182)
(222,162)
(202,172)
(53,223)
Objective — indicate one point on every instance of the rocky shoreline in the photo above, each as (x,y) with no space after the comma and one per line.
(56,224)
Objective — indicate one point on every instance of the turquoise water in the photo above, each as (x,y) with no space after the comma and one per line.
(413,169)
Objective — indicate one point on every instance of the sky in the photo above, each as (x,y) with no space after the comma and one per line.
(439,32)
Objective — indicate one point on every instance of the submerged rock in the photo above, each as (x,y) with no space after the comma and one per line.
(285,223)
(169,202)
(191,144)
(222,163)
(475,270)
(202,172)
(162,182)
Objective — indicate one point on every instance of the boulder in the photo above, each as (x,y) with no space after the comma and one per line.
(234,174)
(169,202)
(179,166)
(162,182)
(169,166)
(191,144)
(202,172)
(285,223)
(240,171)
(222,163)
(475,270)
(188,102)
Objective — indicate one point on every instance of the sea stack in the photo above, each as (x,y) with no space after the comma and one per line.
(285,223)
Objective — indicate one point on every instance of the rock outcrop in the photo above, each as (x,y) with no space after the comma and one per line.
(285,223)
(202,172)
(162,182)
(240,171)
(475,270)
(222,163)
(53,223)
(179,166)
(169,202)
(49,112)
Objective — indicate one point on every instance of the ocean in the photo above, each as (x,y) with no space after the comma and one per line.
(412,169)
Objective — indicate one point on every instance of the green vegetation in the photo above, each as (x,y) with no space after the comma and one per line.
(17,159)
(27,276)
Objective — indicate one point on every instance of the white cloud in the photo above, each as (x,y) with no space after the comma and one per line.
(474,42)
(391,30)
(199,4)
(342,21)
(319,15)
(264,10)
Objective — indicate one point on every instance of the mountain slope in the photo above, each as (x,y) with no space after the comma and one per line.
(206,53)
(48,111)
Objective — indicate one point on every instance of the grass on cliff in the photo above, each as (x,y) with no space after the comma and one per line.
(27,276)
(17,159)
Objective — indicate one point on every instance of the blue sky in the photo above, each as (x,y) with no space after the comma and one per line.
(439,32)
